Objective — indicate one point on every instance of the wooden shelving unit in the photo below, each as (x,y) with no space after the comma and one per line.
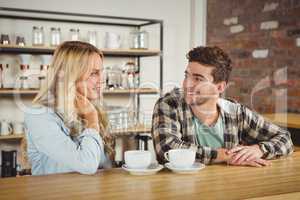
(132,91)
(49,50)
(16,91)
(122,132)
(106,92)
(132,131)
(12,137)
(96,20)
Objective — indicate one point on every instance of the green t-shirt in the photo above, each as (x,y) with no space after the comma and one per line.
(210,136)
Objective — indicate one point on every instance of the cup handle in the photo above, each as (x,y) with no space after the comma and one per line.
(166,155)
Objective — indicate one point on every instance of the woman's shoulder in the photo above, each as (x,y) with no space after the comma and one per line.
(39,113)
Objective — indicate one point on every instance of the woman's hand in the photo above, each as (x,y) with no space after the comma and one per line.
(87,111)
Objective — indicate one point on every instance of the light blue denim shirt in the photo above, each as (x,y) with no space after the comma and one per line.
(51,149)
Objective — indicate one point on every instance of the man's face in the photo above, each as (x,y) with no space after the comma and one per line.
(198,84)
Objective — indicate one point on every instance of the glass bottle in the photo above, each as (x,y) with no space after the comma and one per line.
(92,37)
(24,77)
(38,36)
(74,34)
(55,36)
(42,75)
(124,79)
(1,72)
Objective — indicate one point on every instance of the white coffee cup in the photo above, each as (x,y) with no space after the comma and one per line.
(5,128)
(137,159)
(180,158)
(112,40)
(18,128)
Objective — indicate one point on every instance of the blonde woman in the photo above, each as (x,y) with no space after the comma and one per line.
(67,132)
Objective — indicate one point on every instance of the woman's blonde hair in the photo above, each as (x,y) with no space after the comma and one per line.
(72,60)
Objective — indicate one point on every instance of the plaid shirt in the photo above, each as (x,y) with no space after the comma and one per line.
(173,127)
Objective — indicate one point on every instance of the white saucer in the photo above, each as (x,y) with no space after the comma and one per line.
(194,168)
(152,169)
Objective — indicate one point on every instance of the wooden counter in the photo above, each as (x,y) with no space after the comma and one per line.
(289,120)
(281,179)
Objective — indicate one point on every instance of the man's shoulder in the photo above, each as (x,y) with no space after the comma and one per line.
(174,98)
(229,105)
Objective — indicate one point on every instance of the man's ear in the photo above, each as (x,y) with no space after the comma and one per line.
(221,86)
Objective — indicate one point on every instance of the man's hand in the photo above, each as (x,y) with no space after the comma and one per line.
(254,163)
(223,156)
(245,154)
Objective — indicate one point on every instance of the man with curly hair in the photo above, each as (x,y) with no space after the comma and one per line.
(218,129)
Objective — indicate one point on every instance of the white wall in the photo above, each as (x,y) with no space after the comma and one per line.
(177,15)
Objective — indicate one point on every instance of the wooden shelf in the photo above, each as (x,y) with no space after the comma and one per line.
(106,92)
(49,50)
(132,91)
(17,91)
(122,132)
(132,131)
(12,137)
(289,120)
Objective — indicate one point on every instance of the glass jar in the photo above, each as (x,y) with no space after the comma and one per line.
(38,36)
(92,37)
(74,34)
(139,39)
(55,36)
(1,82)
(5,39)
(42,75)
(124,80)
(24,77)
(20,41)
(133,74)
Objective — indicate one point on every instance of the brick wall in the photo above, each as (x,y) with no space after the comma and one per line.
(263,40)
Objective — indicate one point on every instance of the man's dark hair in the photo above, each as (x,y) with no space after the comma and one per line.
(215,57)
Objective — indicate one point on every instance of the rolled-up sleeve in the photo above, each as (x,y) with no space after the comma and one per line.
(49,138)
(272,139)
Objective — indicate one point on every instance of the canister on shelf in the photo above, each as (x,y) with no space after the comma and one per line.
(4,39)
(139,39)
(133,74)
(42,75)
(20,41)
(74,34)
(114,77)
(23,77)
(125,84)
(38,36)
(92,37)
(1,74)
(55,36)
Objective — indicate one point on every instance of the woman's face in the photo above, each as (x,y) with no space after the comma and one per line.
(90,84)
